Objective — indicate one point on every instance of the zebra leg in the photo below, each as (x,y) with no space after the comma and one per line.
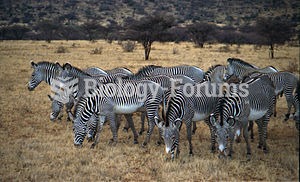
(189,135)
(250,128)
(114,128)
(275,103)
(194,128)
(99,129)
(212,136)
(265,132)
(260,133)
(127,126)
(246,137)
(289,101)
(143,117)
(151,125)
(131,125)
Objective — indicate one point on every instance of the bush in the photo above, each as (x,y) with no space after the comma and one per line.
(293,67)
(61,49)
(128,46)
(97,50)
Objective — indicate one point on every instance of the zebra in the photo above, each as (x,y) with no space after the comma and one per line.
(43,71)
(193,72)
(104,103)
(215,74)
(90,73)
(240,69)
(47,72)
(188,104)
(234,110)
(124,71)
(95,71)
(166,82)
(284,82)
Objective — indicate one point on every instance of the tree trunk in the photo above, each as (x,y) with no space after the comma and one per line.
(147,48)
(271,53)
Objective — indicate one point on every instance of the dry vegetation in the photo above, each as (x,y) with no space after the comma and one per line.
(34,149)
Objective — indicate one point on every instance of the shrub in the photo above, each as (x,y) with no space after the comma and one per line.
(293,67)
(61,49)
(128,46)
(97,50)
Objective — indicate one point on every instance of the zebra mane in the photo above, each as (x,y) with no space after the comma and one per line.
(69,67)
(144,70)
(240,62)
(46,63)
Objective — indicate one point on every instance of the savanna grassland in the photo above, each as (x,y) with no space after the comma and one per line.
(34,149)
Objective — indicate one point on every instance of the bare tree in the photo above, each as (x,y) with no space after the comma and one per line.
(48,29)
(149,29)
(93,29)
(18,30)
(200,32)
(275,31)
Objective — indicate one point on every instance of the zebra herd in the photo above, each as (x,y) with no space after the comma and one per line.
(228,98)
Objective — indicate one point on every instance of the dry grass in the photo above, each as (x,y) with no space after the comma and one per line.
(34,149)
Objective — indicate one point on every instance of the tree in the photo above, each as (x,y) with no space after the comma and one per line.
(274,31)
(93,29)
(200,32)
(48,29)
(149,29)
(18,30)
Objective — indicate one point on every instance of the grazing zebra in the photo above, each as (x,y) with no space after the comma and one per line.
(92,73)
(240,69)
(124,71)
(188,104)
(193,72)
(166,82)
(284,82)
(95,71)
(215,74)
(107,100)
(235,110)
(43,71)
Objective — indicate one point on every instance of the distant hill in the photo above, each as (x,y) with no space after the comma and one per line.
(107,12)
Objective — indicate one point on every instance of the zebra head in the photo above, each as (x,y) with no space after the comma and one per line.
(80,131)
(170,134)
(36,76)
(56,107)
(43,71)
(229,71)
(222,133)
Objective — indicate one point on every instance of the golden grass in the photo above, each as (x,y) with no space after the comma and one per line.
(33,148)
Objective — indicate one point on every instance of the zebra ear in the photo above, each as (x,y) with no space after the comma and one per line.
(51,99)
(33,64)
(177,123)
(67,66)
(231,121)
(212,120)
(158,123)
(57,64)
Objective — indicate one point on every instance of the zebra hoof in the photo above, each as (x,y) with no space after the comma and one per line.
(90,139)
(141,132)
(144,144)
(93,146)
(265,150)
(259,147)
(191,154)
(248,156)
(238,140)
(112,142)
(125,129)
(135,141)
(252,139)
(158,143)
